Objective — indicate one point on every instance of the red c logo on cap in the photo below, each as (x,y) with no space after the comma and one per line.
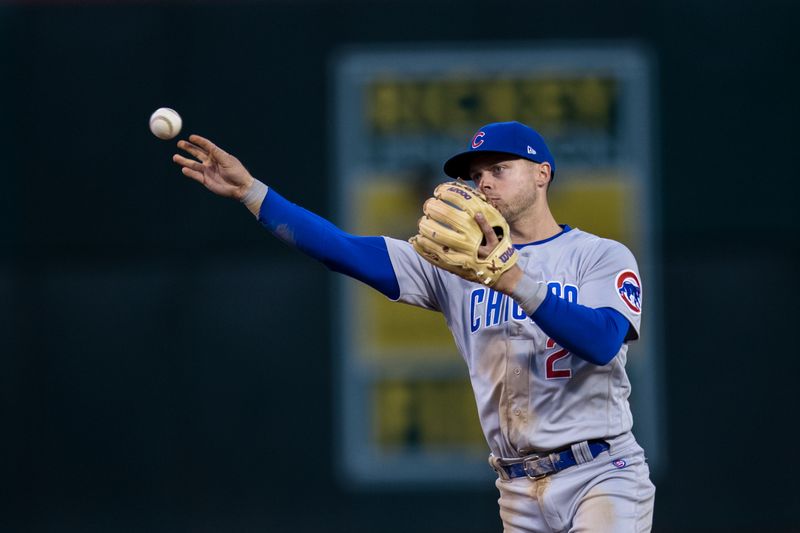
(478,139)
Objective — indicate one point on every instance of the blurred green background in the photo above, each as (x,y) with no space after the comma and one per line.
(166,363)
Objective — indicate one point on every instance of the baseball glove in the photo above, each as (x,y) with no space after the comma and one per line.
(449,237)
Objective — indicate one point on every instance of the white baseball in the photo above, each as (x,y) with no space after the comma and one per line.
(165,123)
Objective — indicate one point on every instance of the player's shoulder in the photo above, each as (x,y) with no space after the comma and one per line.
(596,240)
(598,247)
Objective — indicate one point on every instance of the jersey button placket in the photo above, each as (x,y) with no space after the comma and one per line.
(517,381)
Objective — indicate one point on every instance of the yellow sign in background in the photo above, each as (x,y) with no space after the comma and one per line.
(408,406)
(411,406)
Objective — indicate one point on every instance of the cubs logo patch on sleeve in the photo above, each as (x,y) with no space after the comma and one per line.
(630,290)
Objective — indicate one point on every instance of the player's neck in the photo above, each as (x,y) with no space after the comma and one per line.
(538,225)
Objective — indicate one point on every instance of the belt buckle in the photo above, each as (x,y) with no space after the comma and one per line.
(533,477)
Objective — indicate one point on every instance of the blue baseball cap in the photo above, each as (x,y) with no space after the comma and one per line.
(512,138)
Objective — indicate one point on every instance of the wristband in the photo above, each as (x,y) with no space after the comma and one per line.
(529,294)
(254,196)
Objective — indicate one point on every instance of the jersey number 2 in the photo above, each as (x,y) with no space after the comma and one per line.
(551,372)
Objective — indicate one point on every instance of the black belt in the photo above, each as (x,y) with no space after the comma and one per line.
(543,464)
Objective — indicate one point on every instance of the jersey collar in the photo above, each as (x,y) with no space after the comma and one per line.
(564,228)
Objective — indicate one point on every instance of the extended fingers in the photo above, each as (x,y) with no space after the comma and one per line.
(195,175)
(193,149)
(203,143)
(188,163)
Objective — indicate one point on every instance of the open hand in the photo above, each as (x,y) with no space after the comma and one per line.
(219,171)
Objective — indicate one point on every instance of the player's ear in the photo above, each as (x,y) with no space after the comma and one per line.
(543,173)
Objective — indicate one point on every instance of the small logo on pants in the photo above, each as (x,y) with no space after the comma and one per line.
(619,463)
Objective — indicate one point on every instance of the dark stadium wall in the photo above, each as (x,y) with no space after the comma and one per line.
(167,363)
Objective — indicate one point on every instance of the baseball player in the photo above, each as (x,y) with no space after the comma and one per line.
(541,313)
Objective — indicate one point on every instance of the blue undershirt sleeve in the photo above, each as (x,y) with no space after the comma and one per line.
(594,335)
(363,258)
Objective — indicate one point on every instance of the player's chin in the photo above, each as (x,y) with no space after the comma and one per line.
(509,214)
(500,206)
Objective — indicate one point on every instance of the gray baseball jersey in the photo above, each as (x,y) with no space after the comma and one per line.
(531,393)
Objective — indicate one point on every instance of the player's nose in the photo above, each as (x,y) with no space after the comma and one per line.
(483,181)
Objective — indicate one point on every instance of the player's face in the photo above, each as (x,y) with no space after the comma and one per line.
(508,183)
